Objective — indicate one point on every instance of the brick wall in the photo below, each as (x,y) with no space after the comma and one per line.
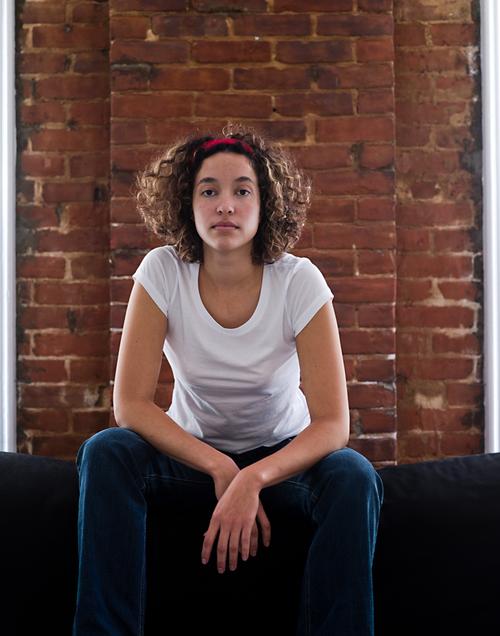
(318,76)
(439,324)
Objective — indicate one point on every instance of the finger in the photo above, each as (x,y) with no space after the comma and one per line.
(246,535)
(222,550)
(234,542)
(208,542)
(254,539)
(265,525)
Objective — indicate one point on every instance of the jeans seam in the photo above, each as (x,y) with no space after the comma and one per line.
(172,478)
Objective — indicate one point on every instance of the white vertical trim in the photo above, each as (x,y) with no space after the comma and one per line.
(490,65)
(7,228)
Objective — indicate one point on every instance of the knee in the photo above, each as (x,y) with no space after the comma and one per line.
(356,473)
(105,444)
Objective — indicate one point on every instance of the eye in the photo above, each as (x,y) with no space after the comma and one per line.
(208,192)
(244,192)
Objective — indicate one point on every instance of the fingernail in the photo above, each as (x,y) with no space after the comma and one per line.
(204,561)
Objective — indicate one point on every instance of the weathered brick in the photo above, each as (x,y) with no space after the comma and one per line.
(358,128)
(124,52)
(354,75)
(375,371)
(454,34)
(128,27)
(71,36)
(313,5)
(42,13)
(229,6)
(377,316)
(188,25)
(190,79)
(299,52)
(375,49)
(73,87)
(268,24)
(152,105)
(221,51)
(271,78)
(355,25)
(325,103)
(236,105)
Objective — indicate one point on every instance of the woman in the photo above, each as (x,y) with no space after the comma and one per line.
(242,322)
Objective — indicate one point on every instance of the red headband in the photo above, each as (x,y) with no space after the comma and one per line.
(225,140)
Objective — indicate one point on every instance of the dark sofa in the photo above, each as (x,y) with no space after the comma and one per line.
(436,570)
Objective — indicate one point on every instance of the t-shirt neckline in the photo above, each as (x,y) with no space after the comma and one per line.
(231,330)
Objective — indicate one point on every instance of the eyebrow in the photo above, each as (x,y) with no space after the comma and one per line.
(214,180)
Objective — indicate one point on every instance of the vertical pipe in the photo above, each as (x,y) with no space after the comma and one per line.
(490,68)
(7,229)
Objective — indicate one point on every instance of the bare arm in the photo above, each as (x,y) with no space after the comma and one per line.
(325,388)
(136,378)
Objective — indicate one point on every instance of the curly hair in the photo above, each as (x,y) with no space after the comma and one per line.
(164,193)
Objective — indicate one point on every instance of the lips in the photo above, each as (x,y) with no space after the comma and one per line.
(225,225)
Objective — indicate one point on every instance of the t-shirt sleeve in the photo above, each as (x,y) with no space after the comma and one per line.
(307,292)
(154,275)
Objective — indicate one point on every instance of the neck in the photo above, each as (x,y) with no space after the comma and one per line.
(229,271)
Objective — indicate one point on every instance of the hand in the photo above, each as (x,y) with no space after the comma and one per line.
(234,518)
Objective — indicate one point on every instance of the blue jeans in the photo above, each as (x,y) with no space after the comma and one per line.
(120,473)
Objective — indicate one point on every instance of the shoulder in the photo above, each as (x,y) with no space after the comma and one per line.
(289,266)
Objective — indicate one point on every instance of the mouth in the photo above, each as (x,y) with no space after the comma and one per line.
(227,226)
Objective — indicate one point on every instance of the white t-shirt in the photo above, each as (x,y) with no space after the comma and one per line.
(235,389)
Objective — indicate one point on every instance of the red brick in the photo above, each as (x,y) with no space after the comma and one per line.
(428,163)
(42,165)
(229,5)
(41,370)
(61,140)
(436,368)
(355,236)
(375,370)
(36,266)
(262,25)
(469,343)
(362,290)
(130,78)
(373,341)
(298,52)
(457,240)
(454,34)
(90,12)
(425,189)
(131,27)
(150,5)
(355,75)
(375,5)
(124,52)
(376,101)
(416,343)
(313,5)
(377,421)
(414,289)
(376,209)
(413,239)
(369,395)
(460,444)
(187,25)
(91,62)
(418,445)
(87,215)
(347,182)
(376,262)
(441,113)
(375,49)
(452,137)
(93,371)
(89,165)
(456,10)
(71,36)
(460,290)
(439,266)
(83,112)
(128,133)
(331,209)
(321,156)
(375,449)
(191,79)
(58,447)
(357,128)
(324,103)
(436,317)
(271,79)
(58,293)
(409,34)
(376,316)
(431,60)
(55,420)
(435,214)
(91,422)
(453,88)
(84,240)
(41,62)
(67,87)
(376,157)
(238,105)
(355,25)
(465,394)
(151,105)
(220,51)
(410,136)
(41,13)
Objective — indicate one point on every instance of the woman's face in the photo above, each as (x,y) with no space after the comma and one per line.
(226,192)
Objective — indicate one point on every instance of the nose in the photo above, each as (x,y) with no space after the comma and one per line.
(225,207)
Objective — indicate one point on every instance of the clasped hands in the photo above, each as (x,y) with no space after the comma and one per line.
(234,517)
